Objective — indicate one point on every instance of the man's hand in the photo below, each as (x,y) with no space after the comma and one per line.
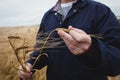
(77,40)
(25,75)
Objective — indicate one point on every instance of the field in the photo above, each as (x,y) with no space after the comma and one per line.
(7,70)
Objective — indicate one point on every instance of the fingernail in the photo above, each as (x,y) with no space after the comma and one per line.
(60,32)
(70,28)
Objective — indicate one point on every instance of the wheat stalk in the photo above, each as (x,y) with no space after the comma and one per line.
(23,47)
(92,35)
(64,29)
(42,49)
(16,51)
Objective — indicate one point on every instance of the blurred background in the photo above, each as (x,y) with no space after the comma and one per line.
(30,12)
(22,18)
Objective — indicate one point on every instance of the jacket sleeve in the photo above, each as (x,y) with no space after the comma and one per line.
(110,45)
(105,53)
(43,59)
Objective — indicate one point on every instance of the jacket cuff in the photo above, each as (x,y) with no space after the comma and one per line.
(92,57)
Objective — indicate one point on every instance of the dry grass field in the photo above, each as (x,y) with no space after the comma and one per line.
(7,71)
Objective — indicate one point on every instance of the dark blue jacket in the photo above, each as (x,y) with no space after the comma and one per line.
(103,57)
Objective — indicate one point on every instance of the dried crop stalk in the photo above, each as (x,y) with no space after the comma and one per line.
(16,51)
(92,35)
(40,49)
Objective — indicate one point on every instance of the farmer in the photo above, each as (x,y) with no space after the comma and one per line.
(85,57)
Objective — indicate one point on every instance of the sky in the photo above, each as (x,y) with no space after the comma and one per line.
(30,12)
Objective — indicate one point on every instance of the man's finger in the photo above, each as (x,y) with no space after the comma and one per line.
(76,30)
(79,37)
(65,35)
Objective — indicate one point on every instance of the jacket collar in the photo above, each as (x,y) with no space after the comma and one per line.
(79,4)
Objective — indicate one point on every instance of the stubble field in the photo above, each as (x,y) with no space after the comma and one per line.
(8,59)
